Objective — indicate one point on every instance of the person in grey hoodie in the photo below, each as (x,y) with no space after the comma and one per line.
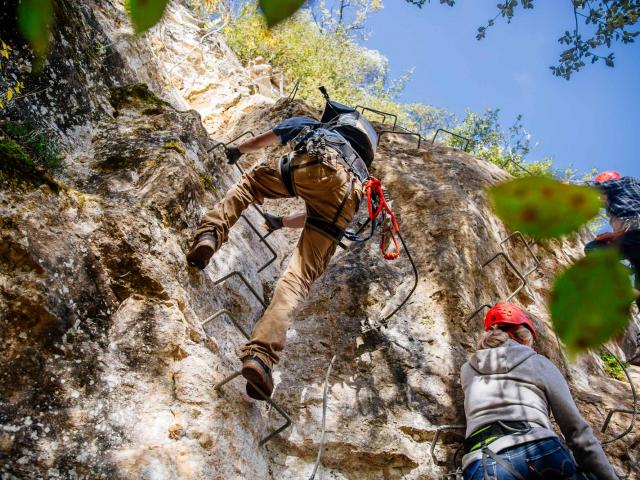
(509,392)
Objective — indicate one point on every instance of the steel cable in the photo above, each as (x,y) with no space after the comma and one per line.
(381,324)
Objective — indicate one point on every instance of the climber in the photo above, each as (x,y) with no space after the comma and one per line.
(327,168)
(509,390)
(623,208)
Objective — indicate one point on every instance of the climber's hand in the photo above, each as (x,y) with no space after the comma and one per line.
(233,154)
(273,222)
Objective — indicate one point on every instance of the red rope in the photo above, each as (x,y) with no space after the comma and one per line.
(373,190)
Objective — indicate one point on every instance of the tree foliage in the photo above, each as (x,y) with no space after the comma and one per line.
(348,16)
(304,50)
(507,149)
(593,28)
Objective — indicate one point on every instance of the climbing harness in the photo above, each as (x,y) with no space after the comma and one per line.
(482,438)
(487,434)
(488,453)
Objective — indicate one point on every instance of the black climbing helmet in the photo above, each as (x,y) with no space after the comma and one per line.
(352,125)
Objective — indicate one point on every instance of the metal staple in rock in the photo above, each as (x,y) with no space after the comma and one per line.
(217,387)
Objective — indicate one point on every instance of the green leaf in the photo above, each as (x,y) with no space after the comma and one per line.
(145,13)
(35,18)
(544,208)
(276,11)
(590,300)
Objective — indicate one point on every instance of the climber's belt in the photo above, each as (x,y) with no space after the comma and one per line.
(487,434)
(286,172)
(329,229)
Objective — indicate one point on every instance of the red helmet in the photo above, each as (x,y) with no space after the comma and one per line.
(607,175)
(508,314)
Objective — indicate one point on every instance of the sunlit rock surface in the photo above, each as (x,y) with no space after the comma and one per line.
(106,370)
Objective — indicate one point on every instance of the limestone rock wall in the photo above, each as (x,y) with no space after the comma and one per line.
(106,370)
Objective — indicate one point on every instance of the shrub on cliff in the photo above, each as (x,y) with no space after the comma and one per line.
(323,53)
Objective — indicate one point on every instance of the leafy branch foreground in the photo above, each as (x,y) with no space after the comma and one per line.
(591,300)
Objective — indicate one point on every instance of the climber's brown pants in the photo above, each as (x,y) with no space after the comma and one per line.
(324,187)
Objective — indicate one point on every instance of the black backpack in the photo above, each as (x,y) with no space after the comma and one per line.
(352,125)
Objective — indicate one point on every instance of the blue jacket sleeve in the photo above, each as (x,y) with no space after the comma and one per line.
(291,127)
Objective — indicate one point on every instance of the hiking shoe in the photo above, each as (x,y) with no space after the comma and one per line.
(273,222)
(255,370)
(203,248)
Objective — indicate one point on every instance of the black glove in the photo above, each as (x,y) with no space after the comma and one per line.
(233,154)
(273,222)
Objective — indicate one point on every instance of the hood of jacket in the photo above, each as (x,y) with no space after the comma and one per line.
(500,359)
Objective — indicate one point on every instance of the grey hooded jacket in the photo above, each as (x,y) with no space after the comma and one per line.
(514,383)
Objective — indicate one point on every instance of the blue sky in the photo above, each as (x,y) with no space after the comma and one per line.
(590,121)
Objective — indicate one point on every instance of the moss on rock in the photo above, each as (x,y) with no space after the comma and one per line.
(207,183)
(137,95)
(18,167)
(175,145)
(612,367)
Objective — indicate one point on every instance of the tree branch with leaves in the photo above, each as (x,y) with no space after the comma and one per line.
(596,26)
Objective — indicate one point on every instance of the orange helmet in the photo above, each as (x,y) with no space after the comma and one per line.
(607,175)
(508,314)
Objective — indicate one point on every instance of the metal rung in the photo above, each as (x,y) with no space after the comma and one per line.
(388,132)
(294,91)
(528,247)
(267,399)
(246,282)
(633,412)
(224,144)
(518,165)
(263,240)
(226,312)
(514,268)
(610,414)
(478,310)
(217,387)
(440,429)
(384,115)
(467,140)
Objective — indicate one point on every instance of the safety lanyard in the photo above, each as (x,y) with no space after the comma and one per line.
(376,205)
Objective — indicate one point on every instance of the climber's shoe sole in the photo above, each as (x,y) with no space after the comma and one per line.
(260,375)
(203,248)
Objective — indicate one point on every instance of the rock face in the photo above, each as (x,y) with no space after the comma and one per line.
(107,370)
